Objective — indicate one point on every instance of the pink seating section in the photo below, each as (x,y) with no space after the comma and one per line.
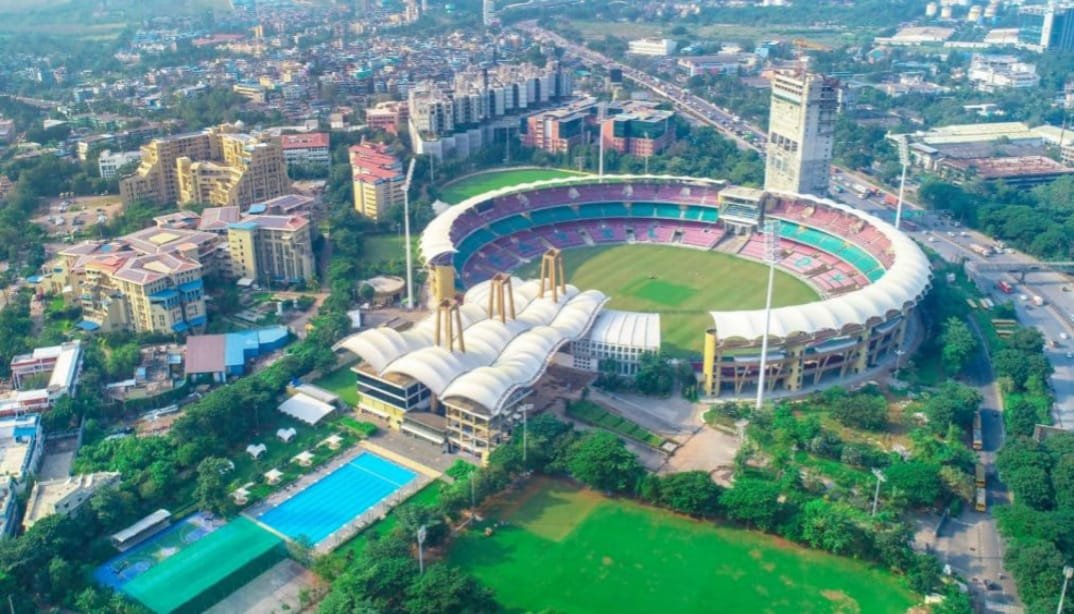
(839,223)
(508,252)
(831,275)
(825,271)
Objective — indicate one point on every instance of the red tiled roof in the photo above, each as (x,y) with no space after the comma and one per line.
(304,141)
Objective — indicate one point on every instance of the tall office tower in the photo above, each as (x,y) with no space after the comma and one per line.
(801,130)
(488,12)
(1048,27)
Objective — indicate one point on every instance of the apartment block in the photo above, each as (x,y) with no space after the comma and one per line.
(310,149)
(801,132)
(390,116)
(557,130)
(271,249)
(219,166)
(379,179)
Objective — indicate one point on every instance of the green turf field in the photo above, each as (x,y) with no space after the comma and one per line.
(462,189)
(208,569)
(682,284)
(567,550)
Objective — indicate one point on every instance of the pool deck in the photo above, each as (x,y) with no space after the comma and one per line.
(424,476)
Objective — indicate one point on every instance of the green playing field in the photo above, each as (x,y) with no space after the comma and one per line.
(458,191)
(568,550)
(682,284)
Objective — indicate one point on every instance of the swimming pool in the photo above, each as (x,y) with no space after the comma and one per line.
(338,498)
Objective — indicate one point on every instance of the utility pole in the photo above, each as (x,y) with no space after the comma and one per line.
(525,411)
(600,135)
(406,231)
(904,159)
(771,243)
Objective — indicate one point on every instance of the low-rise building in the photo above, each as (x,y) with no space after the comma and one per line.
(41,377)
(637,129)
(557,130)
(990,73)
(310,149)
(64,495)
(9,507)
(1016,171)
(655,47)
(109,163)
(22,443)
(219,357)
(390,116)
(720,64)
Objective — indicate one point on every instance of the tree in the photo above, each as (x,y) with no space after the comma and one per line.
(211,487)
(832,527)
(959,345)
(1036,566)
(954,404)
(918,482)
(446,588)
(655,376)
(753,502)
(690,492)
(1063,482)
(862,410)
(601,461)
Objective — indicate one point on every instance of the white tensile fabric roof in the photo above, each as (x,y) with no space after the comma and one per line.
(905,282)
(627,328)
(499,356)
(305,408)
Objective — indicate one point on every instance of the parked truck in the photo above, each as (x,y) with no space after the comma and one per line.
(981,250)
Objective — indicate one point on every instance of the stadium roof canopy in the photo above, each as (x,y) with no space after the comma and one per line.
(627,328)
(500,357)
(904,283)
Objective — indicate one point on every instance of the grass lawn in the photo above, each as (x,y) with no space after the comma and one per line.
(571,550)
(379,248)
(683,285)
(590,412)
(426,496)
(458,191)
(341,383)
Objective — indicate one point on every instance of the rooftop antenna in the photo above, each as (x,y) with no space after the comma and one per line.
(406,232)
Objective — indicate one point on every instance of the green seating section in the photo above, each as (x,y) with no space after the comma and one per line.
(847,252)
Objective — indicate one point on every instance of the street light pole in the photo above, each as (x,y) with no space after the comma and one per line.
(421,549)
(1068,572)
(904,159)
(771,240)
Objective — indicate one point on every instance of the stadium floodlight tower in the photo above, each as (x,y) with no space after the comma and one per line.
(406,228)
(904,159)
(771,254)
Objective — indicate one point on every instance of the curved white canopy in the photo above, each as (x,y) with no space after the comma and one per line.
(903,284)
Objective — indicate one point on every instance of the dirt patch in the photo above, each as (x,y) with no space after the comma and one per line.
(843,603)
(607,561)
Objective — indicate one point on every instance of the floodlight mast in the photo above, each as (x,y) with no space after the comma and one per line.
(771,244)
(406,233)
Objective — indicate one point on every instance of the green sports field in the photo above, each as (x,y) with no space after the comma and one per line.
(569,550)
(682,284)
(458,191)
(208,570)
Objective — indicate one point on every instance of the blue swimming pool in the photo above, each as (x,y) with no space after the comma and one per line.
(338,497)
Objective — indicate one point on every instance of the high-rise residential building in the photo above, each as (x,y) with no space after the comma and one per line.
(272,249)
(219,166)
(109,163)
(488,12)
(801,131)
(482,104)
(379,180)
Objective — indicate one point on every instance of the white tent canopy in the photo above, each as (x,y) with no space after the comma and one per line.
(305,408)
